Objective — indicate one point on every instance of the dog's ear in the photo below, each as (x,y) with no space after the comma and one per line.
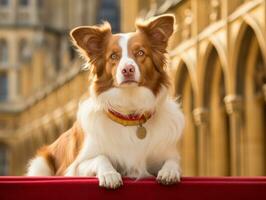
(159,29)
(91,39)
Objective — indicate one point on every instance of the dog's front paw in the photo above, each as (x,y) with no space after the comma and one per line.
(168,176)
(110,180)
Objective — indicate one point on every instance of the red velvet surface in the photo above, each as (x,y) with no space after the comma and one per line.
(65,188)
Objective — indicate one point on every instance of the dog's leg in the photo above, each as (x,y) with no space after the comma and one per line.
(169,173)
(103,169)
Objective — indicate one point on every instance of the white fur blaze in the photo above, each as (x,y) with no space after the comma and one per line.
(39,167)
(125,59)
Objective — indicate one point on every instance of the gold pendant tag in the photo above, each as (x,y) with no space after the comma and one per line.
(141,132)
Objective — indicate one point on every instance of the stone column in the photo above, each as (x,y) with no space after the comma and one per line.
(234,109)
(201,121)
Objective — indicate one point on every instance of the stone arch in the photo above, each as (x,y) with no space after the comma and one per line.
(184,90)
(189,60)
(183,67)
(217,133)
(259,32)
(250,76)
(248,24)
(213,46)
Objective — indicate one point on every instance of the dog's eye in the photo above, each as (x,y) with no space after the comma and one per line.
(140,53)
(114,56)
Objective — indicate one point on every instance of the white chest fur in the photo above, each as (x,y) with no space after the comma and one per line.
(130,155)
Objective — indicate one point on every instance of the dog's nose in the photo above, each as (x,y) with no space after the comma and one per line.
(128,70)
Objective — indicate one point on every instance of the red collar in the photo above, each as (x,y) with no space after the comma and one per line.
(128,119)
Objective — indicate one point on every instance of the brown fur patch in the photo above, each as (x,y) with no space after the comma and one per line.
(106,80)
(64,150)
(46,154)
(152,66)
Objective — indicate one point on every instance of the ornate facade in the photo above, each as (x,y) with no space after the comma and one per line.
(217,65)
(220,74)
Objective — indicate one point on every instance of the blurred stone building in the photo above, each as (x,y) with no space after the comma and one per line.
(217,64)
(41,80)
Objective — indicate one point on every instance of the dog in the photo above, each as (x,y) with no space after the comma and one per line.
(128,126)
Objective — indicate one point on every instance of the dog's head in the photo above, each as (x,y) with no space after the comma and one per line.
(127,59)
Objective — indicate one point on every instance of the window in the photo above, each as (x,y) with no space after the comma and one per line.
(3,52)
(23,2)
(109,11)
(4,2)
(3,86)
(3,161)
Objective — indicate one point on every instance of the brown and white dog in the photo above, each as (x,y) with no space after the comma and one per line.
(128,126)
